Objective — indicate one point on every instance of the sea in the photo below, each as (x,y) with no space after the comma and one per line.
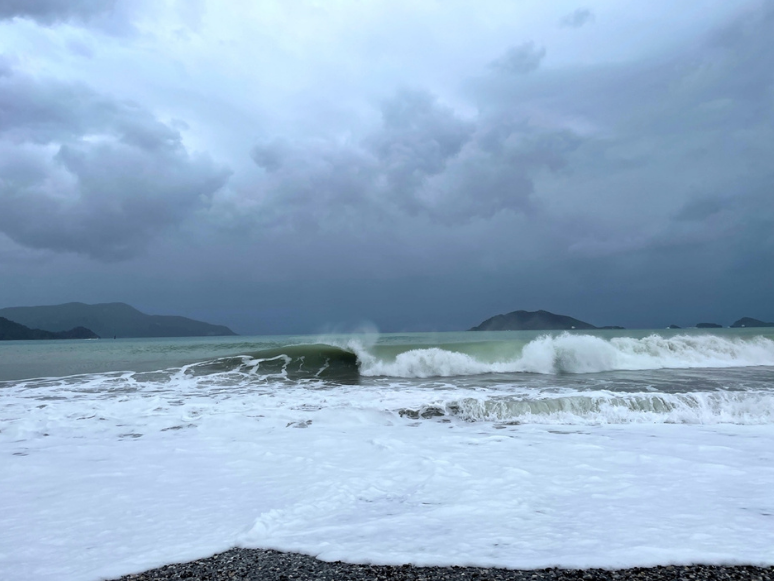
(497,449)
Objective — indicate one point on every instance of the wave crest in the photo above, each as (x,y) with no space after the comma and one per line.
(559,354)
(570,353)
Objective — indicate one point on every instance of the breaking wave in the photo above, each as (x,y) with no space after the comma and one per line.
(560,354)
(570,353)
(608,408)
(292,362)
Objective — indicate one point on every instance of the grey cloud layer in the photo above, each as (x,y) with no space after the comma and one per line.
(424,159)
(52,11)
(578,18)
(632,183)
(664,159)
(83,173)
(660,136)
(605,157)
(521,59)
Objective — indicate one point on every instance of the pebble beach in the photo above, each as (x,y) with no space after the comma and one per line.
(269,565)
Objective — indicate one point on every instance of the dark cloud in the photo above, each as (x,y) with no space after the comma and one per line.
(620,192)
(423,160)
(82,173)
(417,140)
(672,151)
(611,192)
(521,59)
(315,181)
(41,112)
(578,18)
(52,11)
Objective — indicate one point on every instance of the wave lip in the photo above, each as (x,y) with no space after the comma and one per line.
(570,353)
(290,362)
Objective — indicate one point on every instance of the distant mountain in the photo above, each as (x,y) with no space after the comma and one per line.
(708,326)
(750,322)
(10,331)
(531,321)
(111,320)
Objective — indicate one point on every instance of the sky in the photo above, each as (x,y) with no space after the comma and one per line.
(299,166)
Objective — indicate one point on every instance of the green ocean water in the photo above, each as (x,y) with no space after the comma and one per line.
(37,359)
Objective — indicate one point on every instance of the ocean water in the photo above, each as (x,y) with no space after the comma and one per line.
(511,449)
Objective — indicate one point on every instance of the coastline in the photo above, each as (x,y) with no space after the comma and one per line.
(270,565)
(111,473)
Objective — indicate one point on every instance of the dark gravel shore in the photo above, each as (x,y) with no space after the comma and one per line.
(259,564)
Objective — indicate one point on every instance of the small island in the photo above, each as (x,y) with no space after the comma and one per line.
(546,321)
(750,322)
(532,321)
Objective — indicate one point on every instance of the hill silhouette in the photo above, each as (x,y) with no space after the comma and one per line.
(11,331)
(531,321)
(111,319)
(750,322)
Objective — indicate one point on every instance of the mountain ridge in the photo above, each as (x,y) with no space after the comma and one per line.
(111,320)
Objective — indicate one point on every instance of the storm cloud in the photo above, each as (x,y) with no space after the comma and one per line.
(80,172)
(423,159)
(593,142)
(52,11)
(417,168)
(521,59)
(577,18)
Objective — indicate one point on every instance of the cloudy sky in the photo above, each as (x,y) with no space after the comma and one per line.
(304,166)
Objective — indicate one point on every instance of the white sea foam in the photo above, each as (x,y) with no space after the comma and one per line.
(108,474)
(745,408)
(570,353)
(96,487)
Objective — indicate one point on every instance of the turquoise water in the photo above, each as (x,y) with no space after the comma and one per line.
(30,359)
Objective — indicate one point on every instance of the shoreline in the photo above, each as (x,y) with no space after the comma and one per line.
(271,565)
